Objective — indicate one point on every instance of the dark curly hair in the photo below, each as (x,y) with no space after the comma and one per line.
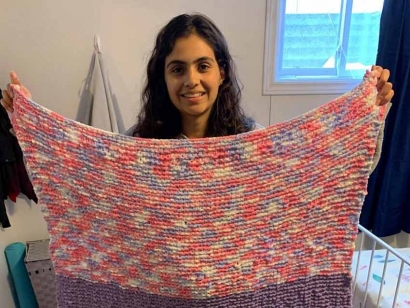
(158,117)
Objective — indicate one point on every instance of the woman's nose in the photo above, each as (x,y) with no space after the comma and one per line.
(191,78)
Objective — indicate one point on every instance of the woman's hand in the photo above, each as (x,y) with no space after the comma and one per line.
(7,100)
(384,88)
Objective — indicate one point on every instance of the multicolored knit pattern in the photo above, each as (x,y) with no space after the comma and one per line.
(266,218)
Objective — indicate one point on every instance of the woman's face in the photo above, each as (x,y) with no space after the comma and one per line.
(193,77)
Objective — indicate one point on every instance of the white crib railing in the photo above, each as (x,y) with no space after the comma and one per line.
(389,250)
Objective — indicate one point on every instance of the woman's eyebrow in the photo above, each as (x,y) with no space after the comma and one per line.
(196,61)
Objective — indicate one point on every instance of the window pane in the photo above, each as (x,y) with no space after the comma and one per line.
(364,34)
(311,31)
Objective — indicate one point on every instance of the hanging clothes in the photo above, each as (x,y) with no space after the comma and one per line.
(98,104)
(13,175)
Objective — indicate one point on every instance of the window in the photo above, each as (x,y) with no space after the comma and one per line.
(319,46)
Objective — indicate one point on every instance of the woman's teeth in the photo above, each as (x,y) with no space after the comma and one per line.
(192,95)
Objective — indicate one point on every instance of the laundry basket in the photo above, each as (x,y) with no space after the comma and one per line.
(41,273)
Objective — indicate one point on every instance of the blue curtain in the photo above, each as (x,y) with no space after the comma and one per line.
(386,209)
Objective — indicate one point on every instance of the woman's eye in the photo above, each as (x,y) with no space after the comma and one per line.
(203,67)
(177,70)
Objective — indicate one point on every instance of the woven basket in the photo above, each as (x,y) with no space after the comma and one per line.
(41,273)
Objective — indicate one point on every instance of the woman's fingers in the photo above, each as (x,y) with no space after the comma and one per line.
(384,100)
(384,88)
(385,94)
(16,84)
(14,78)
(377,70)
(7,101)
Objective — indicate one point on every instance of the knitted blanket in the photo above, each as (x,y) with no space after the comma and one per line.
(266,218)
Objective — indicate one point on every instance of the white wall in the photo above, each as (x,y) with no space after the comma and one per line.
(49,44)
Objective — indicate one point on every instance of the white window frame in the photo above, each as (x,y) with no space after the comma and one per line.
(275,11)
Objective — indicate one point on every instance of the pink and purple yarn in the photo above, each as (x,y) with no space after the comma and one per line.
(261,219)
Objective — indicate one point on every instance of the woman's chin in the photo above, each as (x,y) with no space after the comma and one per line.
(195,111)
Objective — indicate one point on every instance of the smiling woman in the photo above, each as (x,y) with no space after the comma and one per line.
(191,88)
(193,77)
